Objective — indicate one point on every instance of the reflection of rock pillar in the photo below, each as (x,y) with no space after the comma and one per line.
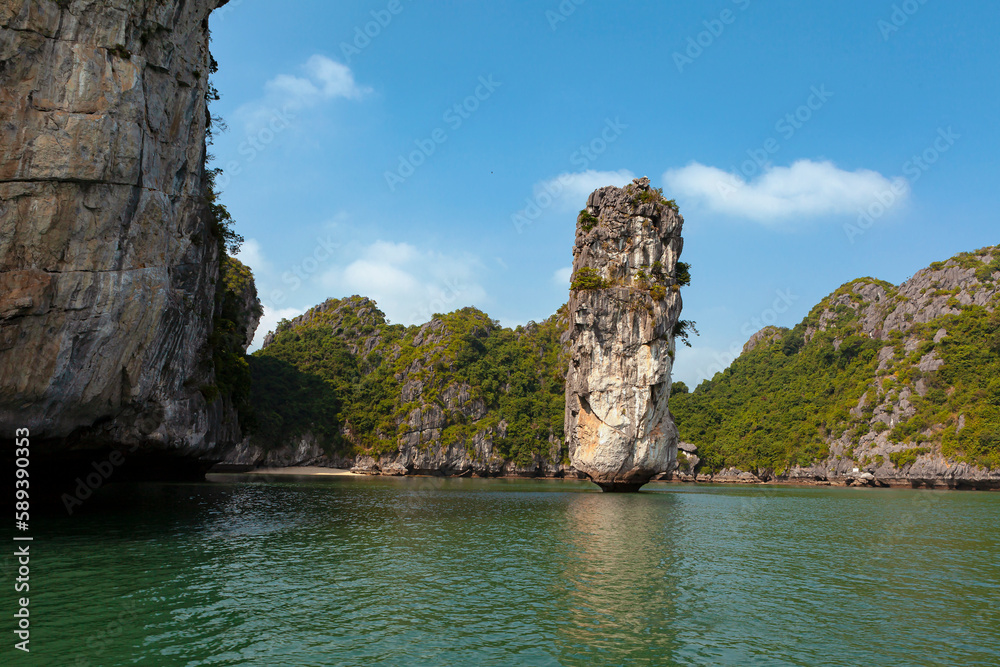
(618,591)
(623,310)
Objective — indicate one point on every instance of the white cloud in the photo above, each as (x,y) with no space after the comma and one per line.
(291,89)
(569,191)
(322,80)
(805,189)
(269,322)
(336,79)
(410,285)
(378,276)
(562,277)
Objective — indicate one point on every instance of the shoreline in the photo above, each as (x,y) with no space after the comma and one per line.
(922,484)
(849,483)
(292,471)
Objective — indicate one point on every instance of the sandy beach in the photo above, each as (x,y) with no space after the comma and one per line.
(301,471)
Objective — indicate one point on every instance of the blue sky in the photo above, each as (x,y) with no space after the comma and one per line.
(440,162)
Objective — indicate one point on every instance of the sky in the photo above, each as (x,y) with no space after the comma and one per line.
(433,155)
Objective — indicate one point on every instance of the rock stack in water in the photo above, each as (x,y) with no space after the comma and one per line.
(624,306)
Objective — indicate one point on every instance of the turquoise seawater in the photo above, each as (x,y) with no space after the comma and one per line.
(369,571)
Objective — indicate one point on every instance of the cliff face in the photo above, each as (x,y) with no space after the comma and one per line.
(108,263)
(880,384)
(623,309)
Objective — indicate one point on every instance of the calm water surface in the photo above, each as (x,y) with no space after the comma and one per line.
(368,571)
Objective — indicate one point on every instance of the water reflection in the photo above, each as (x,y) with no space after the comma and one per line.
(618,585)
(483,572)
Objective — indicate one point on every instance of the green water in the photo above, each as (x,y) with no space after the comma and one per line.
(359,571)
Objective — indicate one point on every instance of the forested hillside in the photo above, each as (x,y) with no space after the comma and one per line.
(465,389)
(900,381)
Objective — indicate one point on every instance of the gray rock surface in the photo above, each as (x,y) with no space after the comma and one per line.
(618,427)
(108,268)
(304,451)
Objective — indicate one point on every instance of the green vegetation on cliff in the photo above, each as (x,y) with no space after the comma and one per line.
(287,403)
(773,408)
(236,305)
(872,365)
(236,302)
(458,377)
(962,402)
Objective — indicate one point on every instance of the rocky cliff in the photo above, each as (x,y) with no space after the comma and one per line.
(109,261)
(624,305)
(880,384)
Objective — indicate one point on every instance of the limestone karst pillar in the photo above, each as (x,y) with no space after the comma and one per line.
(624,304)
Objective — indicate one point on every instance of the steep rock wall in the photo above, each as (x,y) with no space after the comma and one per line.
(108,266)
(623,311)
